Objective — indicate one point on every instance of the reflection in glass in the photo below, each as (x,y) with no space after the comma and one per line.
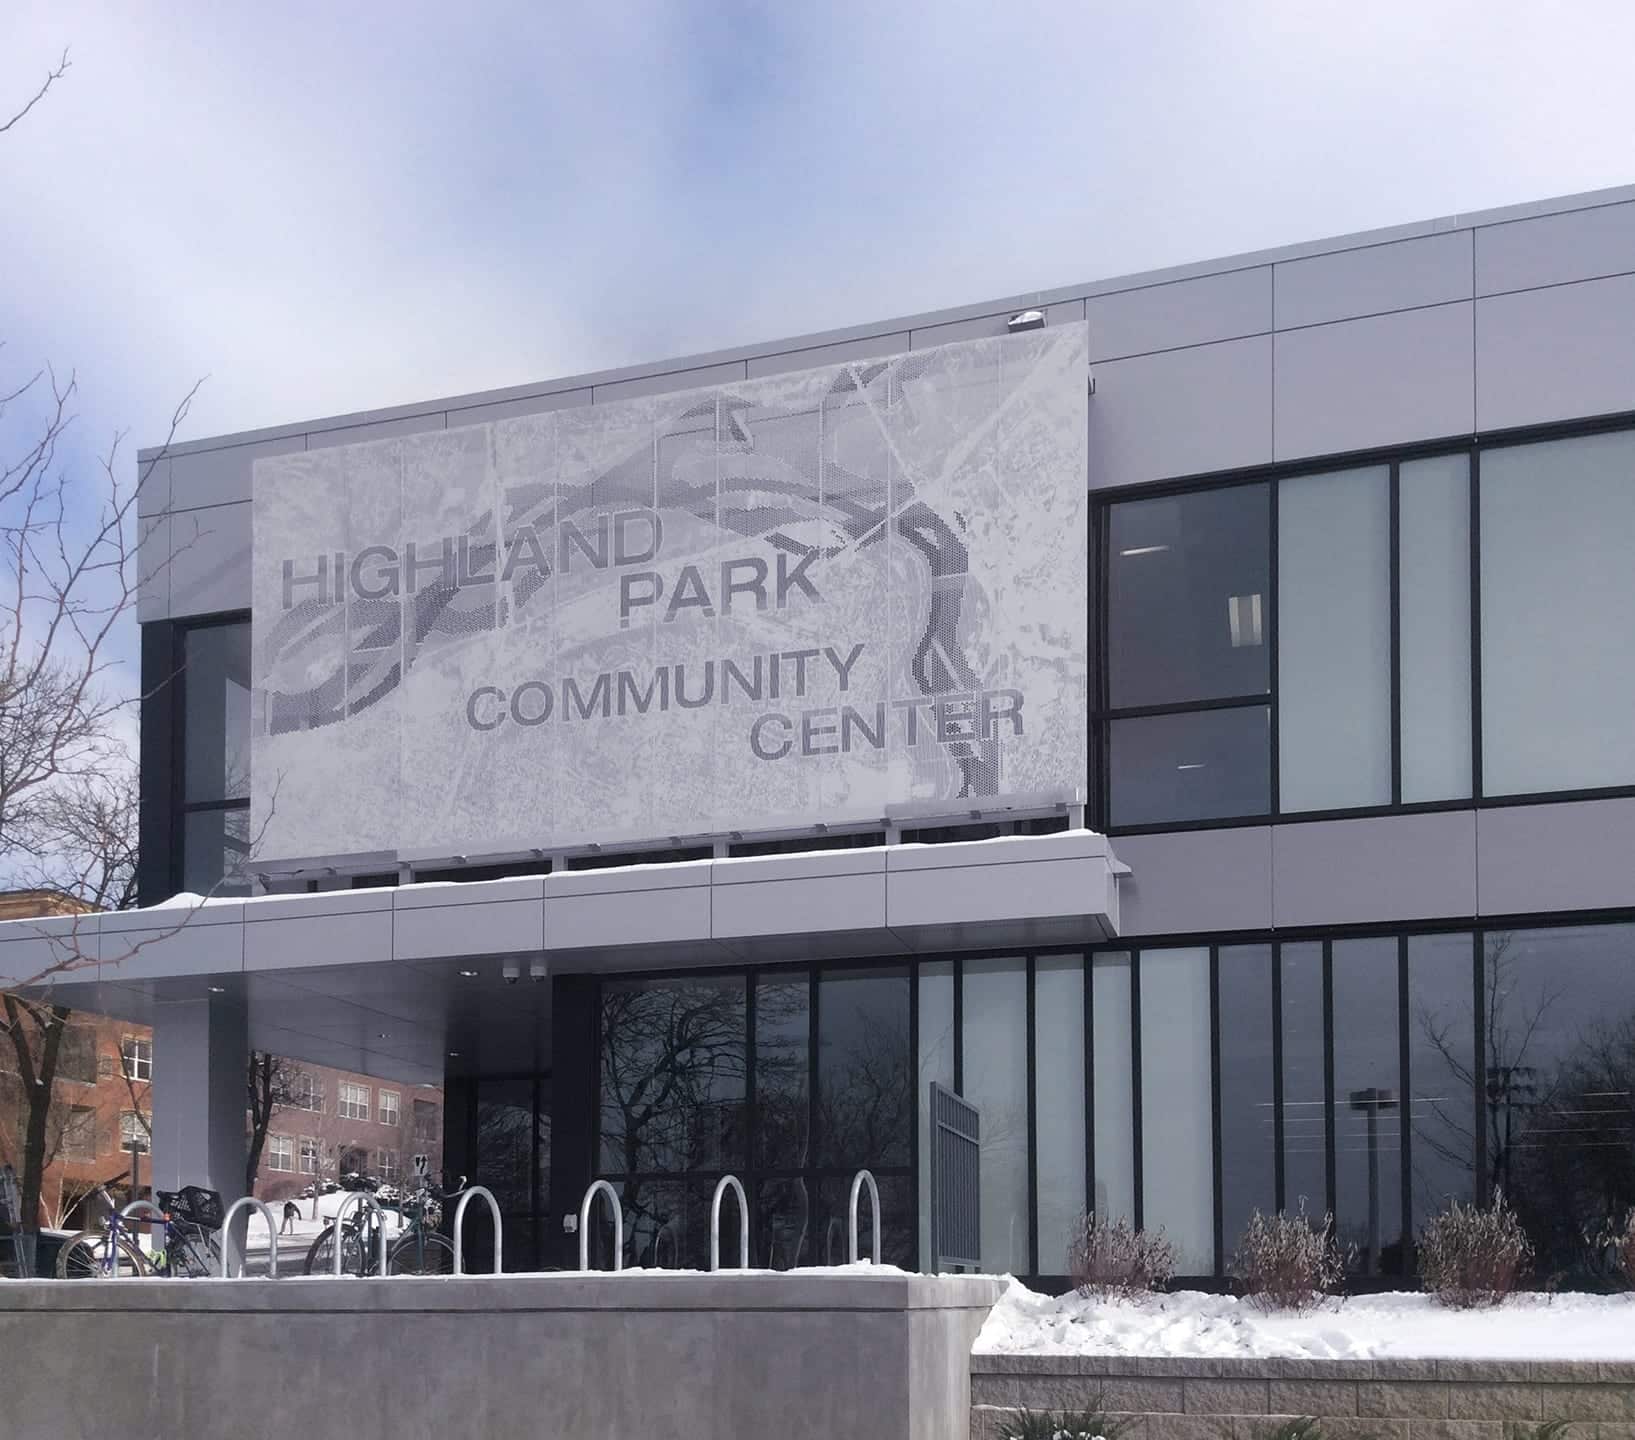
(831,1233)
(1305,1145)
(1248,1135)
(996,1082)
(215,847)
(1188,578)
(1058,1101)
(1368,1105)
(1560,1101)
(865,1072)
(782,1050)
(1558,610)
(216,713)
(782,1234)
(672,1082)
(1442,1068)
(1112,1061)
(936,1064)
(1433,546)
(504,1154)
(1177,1156)
(1203,765)
(1334,640)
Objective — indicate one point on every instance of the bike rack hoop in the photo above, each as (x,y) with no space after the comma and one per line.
(721,1187)
(584,1224)
(459,1227)
(874,1206)
(364,1201)
(247,1203)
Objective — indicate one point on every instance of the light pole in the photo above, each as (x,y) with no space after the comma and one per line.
(1371,1101)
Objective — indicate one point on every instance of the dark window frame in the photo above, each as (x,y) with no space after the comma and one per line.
(1473,447)
(180,806)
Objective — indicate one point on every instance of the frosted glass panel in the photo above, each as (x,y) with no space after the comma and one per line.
(1112,1062)
(1334,640)
(1058,1099)
(1433,530)
(996,1082)
(936,1064)
(1176,1131)
(1558,615)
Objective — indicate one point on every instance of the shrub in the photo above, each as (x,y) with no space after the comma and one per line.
(1620,1243)
(1065,1425)
(1469,1256)
(1110,1260)
(1285,1262)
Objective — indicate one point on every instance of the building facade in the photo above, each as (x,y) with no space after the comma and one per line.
(1239,816)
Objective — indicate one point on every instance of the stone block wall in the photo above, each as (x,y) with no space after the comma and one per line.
(1355,1399)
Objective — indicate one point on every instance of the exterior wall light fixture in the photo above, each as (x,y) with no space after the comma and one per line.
(1026,320)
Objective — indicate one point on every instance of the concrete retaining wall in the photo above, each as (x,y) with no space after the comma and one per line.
(672,1357)
(1355,1399)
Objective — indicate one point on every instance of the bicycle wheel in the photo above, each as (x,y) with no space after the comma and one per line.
(321,1257)
(91,1255)
(421,1252)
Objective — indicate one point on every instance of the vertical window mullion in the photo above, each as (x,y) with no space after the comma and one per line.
(1273,502)
(1478,968)
(1405,1096)
(1329,1137)
(1135,1086)
(1089,1082)
(1277,1079)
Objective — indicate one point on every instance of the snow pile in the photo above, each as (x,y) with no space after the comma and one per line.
(1189,1323)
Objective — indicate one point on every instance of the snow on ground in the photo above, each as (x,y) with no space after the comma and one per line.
(304,1231)
(1189,1323)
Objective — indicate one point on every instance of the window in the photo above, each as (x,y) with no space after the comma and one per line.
(77,1054)
(134,1130)
(388,1168)
(1334,640)
(309,1155)
(1188,662)
(425,1121)
(389,1114)
(1557,614)
(1356,662)
(1113,1064)
(306,1093)
(280,1152)
(1247,1085)
(1368,1104)
(996,1082)
(79,1133)
(215,724)
(1058,1104)
(137,1054)
(1176,1163)
(353,1103)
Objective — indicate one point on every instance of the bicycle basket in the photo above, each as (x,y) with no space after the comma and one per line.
(195,1205)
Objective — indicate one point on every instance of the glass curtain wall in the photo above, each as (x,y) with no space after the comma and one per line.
(215,781)
(1425,630)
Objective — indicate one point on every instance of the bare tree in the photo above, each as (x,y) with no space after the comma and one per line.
(272,1084)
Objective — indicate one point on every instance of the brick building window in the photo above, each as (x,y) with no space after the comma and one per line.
(354,1102)
(138,1056)
(389,1113)
(79,1134)
(309,1155)
(280,1152)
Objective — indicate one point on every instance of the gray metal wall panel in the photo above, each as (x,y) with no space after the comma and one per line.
(210,560)
(790,907)
(893,342)
(152,480)
(1575,245)
(220,477)
(1378,381)
(635,917)
(978,327)
(152,568)
(500,927)
(524,405)
(1374,280)
(1196,880)
(1184,312)
(982,894)
(1392,867)
(669,381)
(294,942)
(377,430)
(1181,412)
(1555,354)
(1573,856)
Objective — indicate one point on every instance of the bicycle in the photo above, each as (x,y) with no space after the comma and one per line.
(419,1250)
(189,1249)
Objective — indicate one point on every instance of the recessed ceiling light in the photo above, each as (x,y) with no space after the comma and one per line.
(468,974)
(453,1054)
(1145,550)
(218,989)
(1197,765)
